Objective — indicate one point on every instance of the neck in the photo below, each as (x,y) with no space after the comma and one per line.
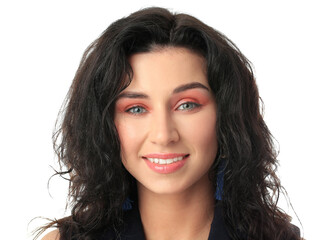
(185,215)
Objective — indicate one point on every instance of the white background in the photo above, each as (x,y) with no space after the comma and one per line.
(41,43)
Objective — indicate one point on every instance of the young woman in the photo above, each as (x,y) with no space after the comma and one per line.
(163,138)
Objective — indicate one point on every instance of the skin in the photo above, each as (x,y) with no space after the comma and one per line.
(53,235)
(157,114)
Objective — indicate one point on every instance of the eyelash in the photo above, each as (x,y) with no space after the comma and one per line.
(193,106)
(130,110)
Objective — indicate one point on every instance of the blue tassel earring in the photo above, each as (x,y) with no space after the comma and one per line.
(127,205)
(220,182)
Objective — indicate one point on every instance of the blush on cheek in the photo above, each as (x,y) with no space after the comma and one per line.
(206,133)
(130,130)
(126,131)
(201,128)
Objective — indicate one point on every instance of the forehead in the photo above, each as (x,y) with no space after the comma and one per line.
(167,68)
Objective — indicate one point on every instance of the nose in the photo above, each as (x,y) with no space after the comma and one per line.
(163,129)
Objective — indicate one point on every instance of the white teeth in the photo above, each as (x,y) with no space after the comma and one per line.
(165,161)
(168,161)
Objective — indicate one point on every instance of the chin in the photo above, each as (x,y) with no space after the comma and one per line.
(175,186)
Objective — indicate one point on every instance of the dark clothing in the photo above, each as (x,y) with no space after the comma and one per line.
(133,229)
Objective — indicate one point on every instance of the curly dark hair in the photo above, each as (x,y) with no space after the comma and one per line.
(88,146)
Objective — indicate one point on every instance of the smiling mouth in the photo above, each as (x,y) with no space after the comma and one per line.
(163,161)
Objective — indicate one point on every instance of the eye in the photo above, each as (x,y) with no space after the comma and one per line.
(187,106)
(136,110)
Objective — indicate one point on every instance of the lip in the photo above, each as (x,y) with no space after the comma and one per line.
(166,168)
(165,155)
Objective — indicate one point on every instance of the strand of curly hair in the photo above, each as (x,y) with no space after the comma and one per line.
(88,145)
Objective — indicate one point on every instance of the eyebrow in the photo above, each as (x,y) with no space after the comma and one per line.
(190,86)
(132,95)
(179,89)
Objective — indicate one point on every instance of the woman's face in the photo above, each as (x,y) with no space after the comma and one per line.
(166,120)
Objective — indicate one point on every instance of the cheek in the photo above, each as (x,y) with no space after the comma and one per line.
(200,131)
(206,137)
(131,134)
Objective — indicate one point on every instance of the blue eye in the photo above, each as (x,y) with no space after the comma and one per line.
(188,106)
(136,110)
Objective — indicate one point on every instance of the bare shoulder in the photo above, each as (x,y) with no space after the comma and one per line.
(54,235)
